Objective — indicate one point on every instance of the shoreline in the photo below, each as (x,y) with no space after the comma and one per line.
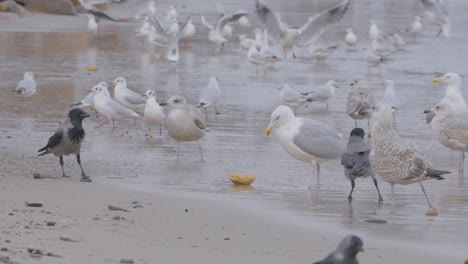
(170,228)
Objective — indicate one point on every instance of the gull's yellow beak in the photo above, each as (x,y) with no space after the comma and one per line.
(437,80)
(267,131)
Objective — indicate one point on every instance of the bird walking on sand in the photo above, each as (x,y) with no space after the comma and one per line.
(210,95)
(153,114)
(26,87)
(184,123)
(355,160)
(320,54)
(107,107)
(396,160)
(389,98)
(307,140)
(260,58)
(451,131)
(67,140)
(372,60)
(346,252)
(292,98)
(414,28)
(360,102)
(397,42)
(351,39)
(127,97)
(323,94)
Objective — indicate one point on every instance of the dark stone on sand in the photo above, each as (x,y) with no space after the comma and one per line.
(117,217)
(377,221)
(127,261)
(37,175)
(34,204)
(4,249)
(4,259)
(227,238)
(60,7)
(51,223)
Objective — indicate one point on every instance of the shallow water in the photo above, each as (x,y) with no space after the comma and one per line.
(58,50)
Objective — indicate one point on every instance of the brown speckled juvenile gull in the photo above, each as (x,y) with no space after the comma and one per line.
(396,160)
(360,102)
(451,131)
(184,122)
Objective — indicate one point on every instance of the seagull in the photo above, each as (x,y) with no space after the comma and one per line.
(398,42)
(323,94)
(374,31)
(292,98)
(372,60)
(389,98)
(228,31)
(93,26)
(307,140)
(188,32)
(148,12)
(244,42)
(172,34)
(311,30)
(67,140)
(355,160)
(453,95)
(184,123)
(153,114)
(414,28)
(380,50)
(396,160)
(127,97)
(89,100)
(26,87)
(261,57)
(346,252)
(215,34)
(321,54)
(360,102)
(210,95)
(437,13)
(109,108)
(351,39)
(144,31)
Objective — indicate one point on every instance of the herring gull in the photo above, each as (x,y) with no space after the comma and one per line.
(360,102)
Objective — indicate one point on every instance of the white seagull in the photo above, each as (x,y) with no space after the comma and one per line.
(291,97)
(351,39)
(216,34)
(210,95)
(127,97)
(27,86)
(323,94)
(287,36)
(153,114)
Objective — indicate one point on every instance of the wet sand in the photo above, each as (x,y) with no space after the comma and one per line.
(62,50)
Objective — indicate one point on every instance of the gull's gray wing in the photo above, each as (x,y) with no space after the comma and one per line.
(271,20)
(206,24)
(134,98)
(317,24)
(318,139)
(120,109)
(222,21)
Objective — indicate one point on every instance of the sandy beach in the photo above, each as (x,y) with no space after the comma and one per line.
(167,229)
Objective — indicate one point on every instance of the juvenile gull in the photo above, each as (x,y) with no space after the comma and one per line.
(127,97)
(292,98)
(210,95)
(360,102)
(184,122)
(323,94)
(67,140)
(451,131)
(351,39)
(307,140)
(355,160)
(153,114)
(27,86)
(437,13)
(287,36)
(396,160)
(109,108)
(346,252)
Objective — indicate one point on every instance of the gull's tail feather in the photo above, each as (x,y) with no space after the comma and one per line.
(436,174)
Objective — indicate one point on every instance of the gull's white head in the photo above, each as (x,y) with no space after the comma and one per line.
(332,84)
(213,80)
(389,84)
(282,114)
(120,81)
(417,18)
(150,94)
(28,75)
(372,22)
(349,30)
(442,109)
(449,78)
(100,88)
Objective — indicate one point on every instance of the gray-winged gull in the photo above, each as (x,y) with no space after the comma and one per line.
(127,97)
(153,114)
(346,251)
(323,94)
(360,102)
(27,86)
(292,98)
(305,139)
(210,95)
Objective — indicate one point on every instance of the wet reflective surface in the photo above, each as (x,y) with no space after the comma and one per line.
(59,50)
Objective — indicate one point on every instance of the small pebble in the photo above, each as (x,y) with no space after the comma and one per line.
(227,238)
(34,204)
(37,175)
(96,218)
(4,259)
(186,210)
(8,136)
(4,249)
(127,261)
(117,217)
(377,221)
(51,223)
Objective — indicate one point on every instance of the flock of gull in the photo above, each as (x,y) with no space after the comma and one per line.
(384,154)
